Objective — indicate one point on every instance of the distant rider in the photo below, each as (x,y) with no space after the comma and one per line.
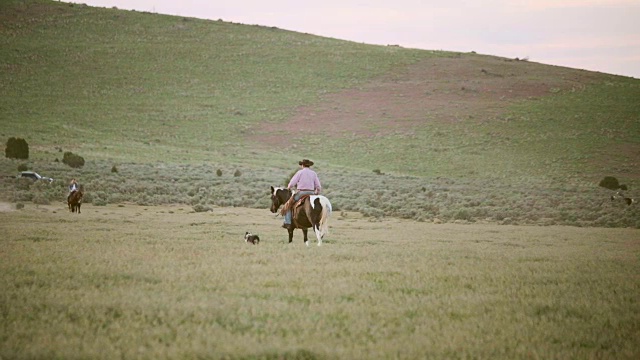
(306,182)
(73,187)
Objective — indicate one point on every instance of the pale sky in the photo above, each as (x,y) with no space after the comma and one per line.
(596,35)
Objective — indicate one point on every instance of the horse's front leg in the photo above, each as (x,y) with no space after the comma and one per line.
(306,239)
(290,235)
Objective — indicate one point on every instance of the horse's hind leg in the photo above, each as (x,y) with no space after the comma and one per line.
(316,230)
(306,239)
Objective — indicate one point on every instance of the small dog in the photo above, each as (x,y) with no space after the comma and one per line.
(627,200)
(250,238)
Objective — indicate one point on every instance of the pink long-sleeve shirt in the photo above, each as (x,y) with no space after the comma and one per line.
(305,179)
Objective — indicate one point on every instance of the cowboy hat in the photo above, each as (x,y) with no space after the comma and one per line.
(305,162)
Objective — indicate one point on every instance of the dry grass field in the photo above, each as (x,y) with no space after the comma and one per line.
(128,281)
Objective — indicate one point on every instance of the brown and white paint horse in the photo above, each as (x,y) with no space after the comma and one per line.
(314,213)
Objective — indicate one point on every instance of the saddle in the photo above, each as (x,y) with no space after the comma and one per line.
(293,205)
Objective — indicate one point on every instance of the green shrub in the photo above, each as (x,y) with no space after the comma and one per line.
(114,169)
(99,202)
(219,172)
(23,167)
(73,160)
(456,214)
(609,182)
(17,148)
(20,196)
(40,199)
(24,184)
(201,208)
(19,206)
(371,212)
(237,173)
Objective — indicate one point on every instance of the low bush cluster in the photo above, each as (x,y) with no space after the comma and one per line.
(17,148)
(73,160)
(611,183)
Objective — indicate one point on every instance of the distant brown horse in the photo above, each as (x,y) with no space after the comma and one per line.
(75,200)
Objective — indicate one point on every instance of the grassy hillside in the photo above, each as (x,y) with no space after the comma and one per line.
(170,100)
(145,87)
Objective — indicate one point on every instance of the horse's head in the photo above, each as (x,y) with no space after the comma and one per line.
(279,196)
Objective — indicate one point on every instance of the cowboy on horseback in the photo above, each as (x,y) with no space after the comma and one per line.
(73,187)
(306,182)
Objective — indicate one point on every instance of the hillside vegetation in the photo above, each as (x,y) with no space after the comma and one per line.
(425,135)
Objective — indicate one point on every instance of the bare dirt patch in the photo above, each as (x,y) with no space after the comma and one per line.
(5,207)
(465,88)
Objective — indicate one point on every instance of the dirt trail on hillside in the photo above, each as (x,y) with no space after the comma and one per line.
(468,87)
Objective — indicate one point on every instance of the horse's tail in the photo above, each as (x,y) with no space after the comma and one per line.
(323,225)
